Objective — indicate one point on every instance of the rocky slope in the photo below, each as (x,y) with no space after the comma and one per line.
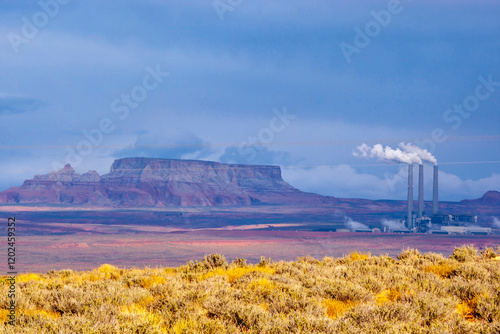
(140,182)
(147,182)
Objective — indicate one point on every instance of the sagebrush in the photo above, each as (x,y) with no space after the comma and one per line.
(357,293)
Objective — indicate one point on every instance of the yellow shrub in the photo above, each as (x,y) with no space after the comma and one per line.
(335,308)
(262,287)
(465,310)
(185,326)
(169,271)
(262,283)
(93,276)
(134,309)
(107,268)
(138,310)
(235,273)
(354,256)
(388,295)
(148,282)
(147,301)
(4,314)
(443,270)
(28,277)
(42,313)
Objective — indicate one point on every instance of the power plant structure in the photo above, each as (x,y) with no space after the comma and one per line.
(409,217)
(438,223)
(420,191)
(435,201)
(410,220)
(416,220)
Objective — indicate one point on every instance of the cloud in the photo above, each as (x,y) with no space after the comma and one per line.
(171,144)
(454,188)
(18,105)
(346,182)
(226,77)
(255,155)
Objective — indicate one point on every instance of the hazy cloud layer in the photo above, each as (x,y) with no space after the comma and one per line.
(226,78)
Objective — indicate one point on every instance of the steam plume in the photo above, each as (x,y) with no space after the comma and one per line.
(422,154)
(406,153)
(496,222)
(354,225)
(393,224)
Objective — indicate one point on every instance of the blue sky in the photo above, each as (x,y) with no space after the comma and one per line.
(262,82)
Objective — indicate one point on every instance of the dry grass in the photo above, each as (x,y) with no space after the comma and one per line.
(358,293)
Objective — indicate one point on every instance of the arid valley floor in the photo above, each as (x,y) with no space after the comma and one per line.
(65,238)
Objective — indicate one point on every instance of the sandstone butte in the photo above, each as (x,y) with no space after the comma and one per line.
(149,182)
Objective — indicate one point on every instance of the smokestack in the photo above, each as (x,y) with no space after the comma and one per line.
(409,220)
(435,202)
(420,191)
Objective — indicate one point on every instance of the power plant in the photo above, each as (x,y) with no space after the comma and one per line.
(420,191)
(412,221)
(439,222)
(435,201)
(409,219)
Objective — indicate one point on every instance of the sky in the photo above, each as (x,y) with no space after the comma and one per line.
(299,84)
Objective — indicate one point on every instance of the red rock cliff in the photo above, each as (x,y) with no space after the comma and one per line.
(139,182)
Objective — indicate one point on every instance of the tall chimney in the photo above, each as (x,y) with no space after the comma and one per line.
(420,191)
(435,203)
(409,220)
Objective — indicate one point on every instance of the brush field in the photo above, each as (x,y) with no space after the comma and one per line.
(356,293)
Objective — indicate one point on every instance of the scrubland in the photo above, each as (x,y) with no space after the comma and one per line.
(357,293)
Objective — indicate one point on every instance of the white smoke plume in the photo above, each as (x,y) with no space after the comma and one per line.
(496,222)
(354,225)
(406,153)
(393,224)
(422,154)
(386,154)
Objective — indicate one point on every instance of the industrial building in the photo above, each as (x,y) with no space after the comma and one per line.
(438,223)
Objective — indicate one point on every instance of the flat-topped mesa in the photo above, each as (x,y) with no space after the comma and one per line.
(138,170)
(190,182)
(146,182)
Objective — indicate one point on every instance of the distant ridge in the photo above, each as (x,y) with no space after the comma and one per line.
(150,182)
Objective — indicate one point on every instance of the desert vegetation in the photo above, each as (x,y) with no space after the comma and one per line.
(356,293)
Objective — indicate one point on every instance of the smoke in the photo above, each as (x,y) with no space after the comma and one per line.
(422,154)
(386,154)
(354,225)
(496,222)
(393,224)
(349,223)
(406,153)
